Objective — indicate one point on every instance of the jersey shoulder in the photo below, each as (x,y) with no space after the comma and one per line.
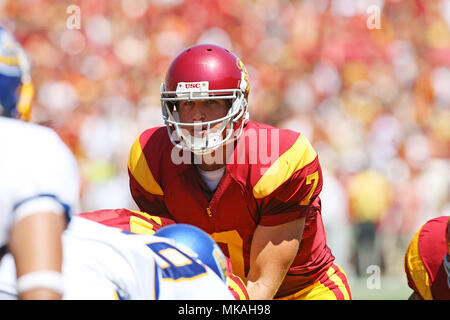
(25,134)
(432,242)
(281,155)
(128,220)
(150,143)
(34,144)
(149,158)
(424,256)
(37,164)
(154,137)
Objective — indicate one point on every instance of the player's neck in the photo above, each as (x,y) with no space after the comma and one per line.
(210,167)
(214,160)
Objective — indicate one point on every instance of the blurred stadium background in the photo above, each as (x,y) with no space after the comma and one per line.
(375,102)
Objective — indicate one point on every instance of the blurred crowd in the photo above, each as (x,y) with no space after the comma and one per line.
(371,92)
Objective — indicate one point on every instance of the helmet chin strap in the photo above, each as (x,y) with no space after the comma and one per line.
(202,145)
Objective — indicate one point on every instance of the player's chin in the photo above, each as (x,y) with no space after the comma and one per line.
(203,132)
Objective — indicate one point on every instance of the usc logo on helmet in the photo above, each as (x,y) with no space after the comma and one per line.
(243,69)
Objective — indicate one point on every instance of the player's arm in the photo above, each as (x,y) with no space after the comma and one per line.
(288,190)
(272,252)
(47,195)
(35,244)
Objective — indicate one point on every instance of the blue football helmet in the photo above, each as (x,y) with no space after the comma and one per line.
(447,268)
(203,246)
(447,256)
(16,89)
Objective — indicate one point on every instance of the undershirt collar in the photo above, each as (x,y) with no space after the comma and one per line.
(211,178)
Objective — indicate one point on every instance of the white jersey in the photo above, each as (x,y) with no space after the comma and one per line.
(104,263)
(38,173)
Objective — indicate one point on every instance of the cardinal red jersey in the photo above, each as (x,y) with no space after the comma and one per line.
(273,176)
(424,260)
(128,220)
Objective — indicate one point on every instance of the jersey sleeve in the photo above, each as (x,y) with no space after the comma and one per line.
(235,284)
(47,177)
(144,187)
(128,220)
(289,189)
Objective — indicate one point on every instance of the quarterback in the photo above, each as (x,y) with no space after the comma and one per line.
(427,261)
(39,185)
(253,187)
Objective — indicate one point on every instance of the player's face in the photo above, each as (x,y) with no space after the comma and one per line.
(194,111)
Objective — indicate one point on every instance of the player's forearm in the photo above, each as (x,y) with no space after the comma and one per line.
(264,278)
(35,243)
(272,252)
(263,289)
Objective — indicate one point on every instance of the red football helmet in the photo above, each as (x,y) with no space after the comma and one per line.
(199,73)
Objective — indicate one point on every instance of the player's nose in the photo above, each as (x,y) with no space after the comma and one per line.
(198,113)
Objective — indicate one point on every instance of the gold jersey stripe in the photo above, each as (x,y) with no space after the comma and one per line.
(140,226)
(146,215)
(295,158)
(338,282)
(417,269)
(12,61)
(236,288)
(141,172)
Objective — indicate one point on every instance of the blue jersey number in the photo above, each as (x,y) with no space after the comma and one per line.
(176,264)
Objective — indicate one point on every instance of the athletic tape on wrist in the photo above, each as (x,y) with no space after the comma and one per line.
(42,279)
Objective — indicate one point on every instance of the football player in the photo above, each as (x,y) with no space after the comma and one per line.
(253,187)
(102,262)
(143,223)
(39,185)
(427,261)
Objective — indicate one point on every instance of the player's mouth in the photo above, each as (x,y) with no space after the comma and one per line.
(199,134)
(199,131)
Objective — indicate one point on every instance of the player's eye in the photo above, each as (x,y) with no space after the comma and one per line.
(188,103)
(211,101)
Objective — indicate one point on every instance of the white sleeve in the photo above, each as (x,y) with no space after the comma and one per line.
(47,177)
